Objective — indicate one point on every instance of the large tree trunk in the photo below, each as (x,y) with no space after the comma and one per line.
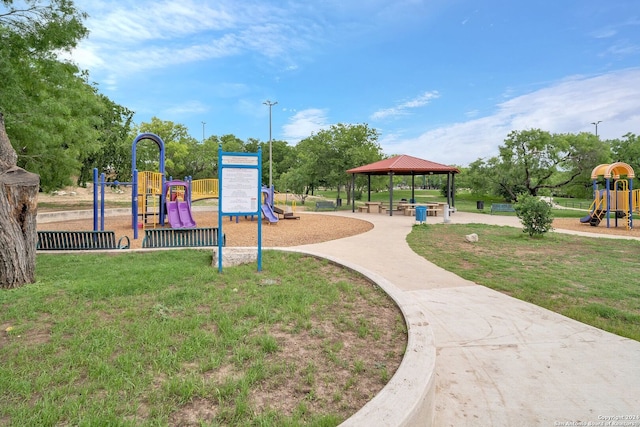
(18,210)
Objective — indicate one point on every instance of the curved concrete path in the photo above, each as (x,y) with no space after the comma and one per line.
(499,361)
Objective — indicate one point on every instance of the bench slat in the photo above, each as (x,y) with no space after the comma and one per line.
(178,237)
(326,205)
(502,207)
(77,240)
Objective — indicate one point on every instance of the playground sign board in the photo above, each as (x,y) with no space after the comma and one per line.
(239,190)
(239,175)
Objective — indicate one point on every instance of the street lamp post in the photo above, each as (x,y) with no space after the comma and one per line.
(270,104)
(203,123)
(596,125)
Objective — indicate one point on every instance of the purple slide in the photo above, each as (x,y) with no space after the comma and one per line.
(266,206)
(179,215)
(178,212)
(184,212)
(268,213)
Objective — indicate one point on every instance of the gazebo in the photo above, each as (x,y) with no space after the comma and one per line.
(404,165)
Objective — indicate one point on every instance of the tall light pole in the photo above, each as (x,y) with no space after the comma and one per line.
(270,104)
(203,123)
(596,125)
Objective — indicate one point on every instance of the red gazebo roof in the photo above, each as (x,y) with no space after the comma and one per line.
(404,165)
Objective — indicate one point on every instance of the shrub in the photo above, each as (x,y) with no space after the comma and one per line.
(536,215)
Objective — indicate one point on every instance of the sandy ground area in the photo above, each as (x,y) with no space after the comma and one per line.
(310,228)
(576,225)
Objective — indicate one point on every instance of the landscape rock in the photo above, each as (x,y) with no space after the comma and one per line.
(471,238)
(235,256)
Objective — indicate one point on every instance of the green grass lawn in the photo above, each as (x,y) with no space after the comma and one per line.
(593,280)
(162,338)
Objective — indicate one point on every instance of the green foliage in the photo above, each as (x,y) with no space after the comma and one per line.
(325,157)
(538,162)
(535,214)
(111,152)
(627,150)
(54,117)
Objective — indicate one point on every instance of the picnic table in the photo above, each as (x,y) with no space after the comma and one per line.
(374,207)
(409,208)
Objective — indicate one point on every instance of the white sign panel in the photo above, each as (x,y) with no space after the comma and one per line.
(240,160)
(239,189)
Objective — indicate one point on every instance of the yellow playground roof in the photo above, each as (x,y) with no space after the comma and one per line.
(614,170)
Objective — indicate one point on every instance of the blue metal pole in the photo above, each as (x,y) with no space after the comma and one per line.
(631,203)
(95,199)
(259,195)
(134,204)
(102,201)
(220,233)
(608,201)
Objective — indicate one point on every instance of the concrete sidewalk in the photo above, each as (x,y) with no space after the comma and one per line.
(499,361)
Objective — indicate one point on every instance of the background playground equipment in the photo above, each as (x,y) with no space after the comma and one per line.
(281,208)
(176,195)
(267,203)
(99,184)
(148,197)
(618,196)
(206,188)
(150,189)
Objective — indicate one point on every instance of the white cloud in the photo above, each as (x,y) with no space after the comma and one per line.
(139,36)
(302,124)
(403,107)
(156,20)
(186,108)
(569,106)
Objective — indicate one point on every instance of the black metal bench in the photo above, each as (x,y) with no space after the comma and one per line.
(325,205)
(79,241)
(181,237)
(502,207)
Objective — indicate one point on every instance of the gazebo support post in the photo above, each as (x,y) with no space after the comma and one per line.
(353,192)
(451,200)
(390,193)
(453,190)
(368,187)
(413,188)
(448,188)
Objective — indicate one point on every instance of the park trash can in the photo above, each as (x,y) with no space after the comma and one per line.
(421,214)
(480,205)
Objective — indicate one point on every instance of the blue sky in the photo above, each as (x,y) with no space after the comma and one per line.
(444,80)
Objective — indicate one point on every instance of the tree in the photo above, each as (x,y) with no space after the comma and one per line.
(178,146)
(18,209)
(627,150)
(51,111)
(112,150)
(355,145)
(533,161)
(326,156)
(313,160)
